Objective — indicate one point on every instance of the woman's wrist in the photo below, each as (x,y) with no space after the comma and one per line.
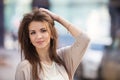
(57,18)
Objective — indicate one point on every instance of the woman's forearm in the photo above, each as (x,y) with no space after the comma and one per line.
(69,26)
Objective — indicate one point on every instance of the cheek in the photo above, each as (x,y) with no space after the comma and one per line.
(48,36)
(31,39)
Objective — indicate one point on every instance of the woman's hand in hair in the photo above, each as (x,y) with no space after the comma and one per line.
(69,26)
(53,15)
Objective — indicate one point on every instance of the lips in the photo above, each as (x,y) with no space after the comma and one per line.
(39,42)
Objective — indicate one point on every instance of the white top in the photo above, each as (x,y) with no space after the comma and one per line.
(51,72)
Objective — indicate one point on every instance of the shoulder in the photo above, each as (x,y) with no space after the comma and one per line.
(23,71)
(24,65)
(62,49)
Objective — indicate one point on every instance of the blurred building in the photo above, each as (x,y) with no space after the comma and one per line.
(41,3)
(114,11)
(1,23)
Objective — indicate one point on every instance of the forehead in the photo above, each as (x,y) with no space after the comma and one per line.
(36,25)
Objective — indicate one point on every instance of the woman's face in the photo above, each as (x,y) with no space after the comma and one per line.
(39,34)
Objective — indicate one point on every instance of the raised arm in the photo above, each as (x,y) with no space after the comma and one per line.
(71,55)
(70,27)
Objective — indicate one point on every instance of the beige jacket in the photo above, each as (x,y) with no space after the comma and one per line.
(71,55)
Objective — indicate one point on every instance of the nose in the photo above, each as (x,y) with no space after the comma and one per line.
(39,35)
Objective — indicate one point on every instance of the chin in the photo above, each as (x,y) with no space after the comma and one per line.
(42,46)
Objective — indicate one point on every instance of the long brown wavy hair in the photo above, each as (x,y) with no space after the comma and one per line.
(28,50)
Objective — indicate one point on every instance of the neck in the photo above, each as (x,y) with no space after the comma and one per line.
(44,55)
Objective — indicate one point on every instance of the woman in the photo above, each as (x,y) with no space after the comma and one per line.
(38,41)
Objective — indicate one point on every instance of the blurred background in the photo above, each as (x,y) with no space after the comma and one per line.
(100,19)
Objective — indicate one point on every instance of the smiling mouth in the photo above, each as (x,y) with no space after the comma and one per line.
(39,42)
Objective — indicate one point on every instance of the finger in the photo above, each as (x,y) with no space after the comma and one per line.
(47,11)
(44,10)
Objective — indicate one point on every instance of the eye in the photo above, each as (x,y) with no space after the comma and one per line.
(43,30)
(33,32)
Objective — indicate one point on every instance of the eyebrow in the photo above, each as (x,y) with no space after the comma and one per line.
(31,30)
(40,29)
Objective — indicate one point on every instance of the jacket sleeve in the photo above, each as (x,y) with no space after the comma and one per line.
(73,54)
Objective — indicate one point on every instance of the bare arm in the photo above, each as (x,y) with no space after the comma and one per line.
(70,27)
